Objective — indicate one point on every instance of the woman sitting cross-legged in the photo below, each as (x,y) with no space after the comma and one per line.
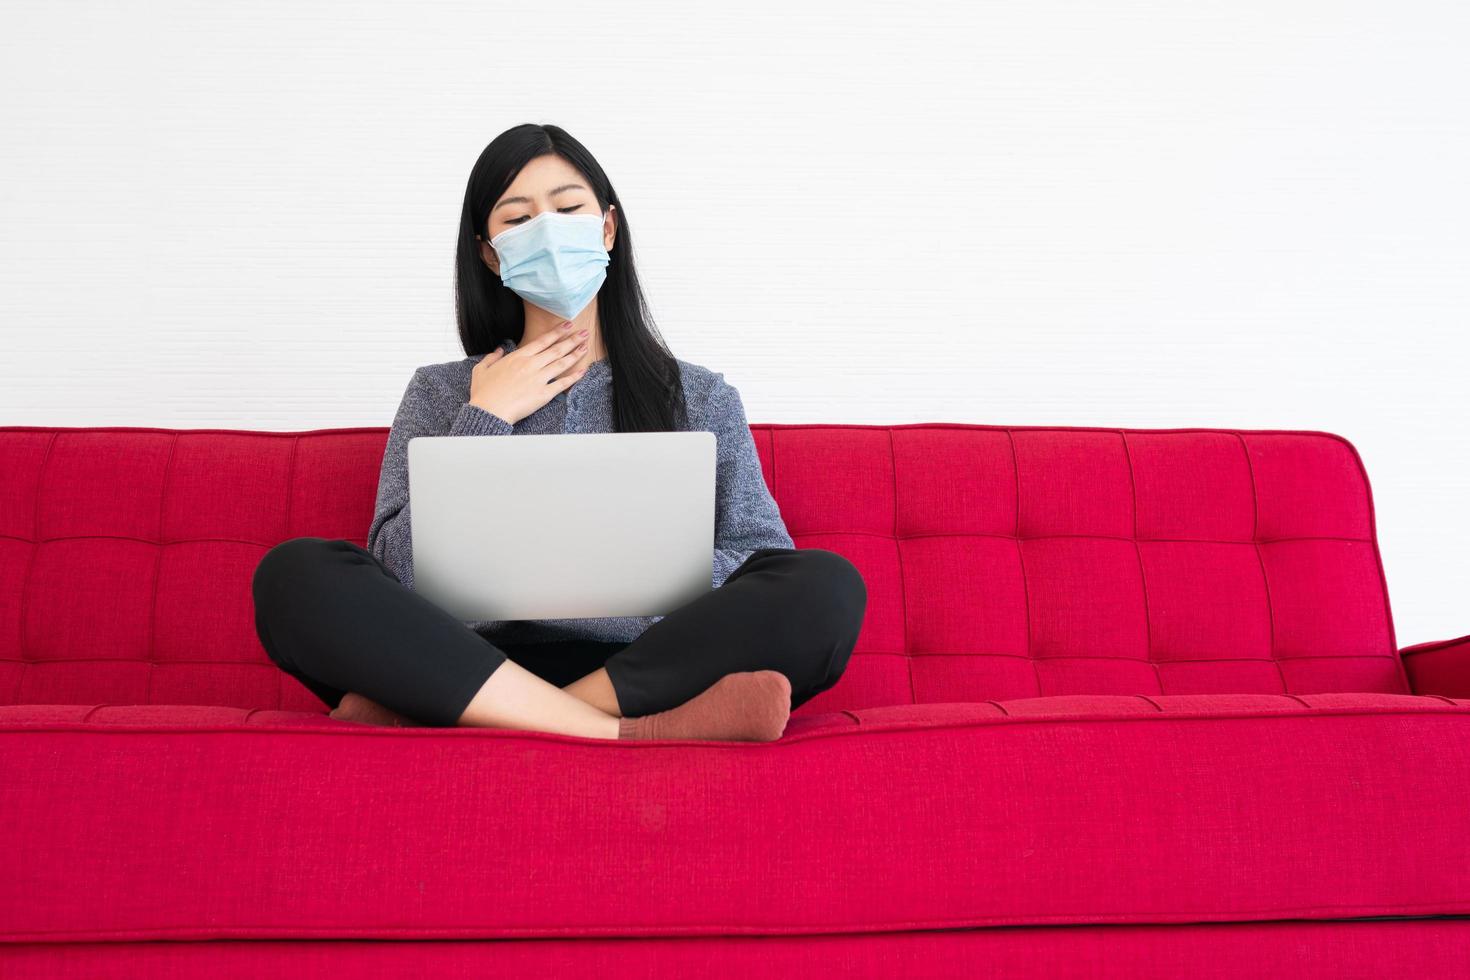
(551,315)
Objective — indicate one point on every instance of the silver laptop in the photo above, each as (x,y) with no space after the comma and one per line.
(562,525)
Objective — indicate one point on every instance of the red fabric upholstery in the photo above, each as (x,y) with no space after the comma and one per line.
(184,823)
(1131,677)
(1440,667)
(1000,562)
(1300,949)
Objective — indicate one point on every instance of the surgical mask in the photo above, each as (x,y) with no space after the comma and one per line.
(555,261)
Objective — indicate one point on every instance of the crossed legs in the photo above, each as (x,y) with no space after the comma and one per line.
(336,618)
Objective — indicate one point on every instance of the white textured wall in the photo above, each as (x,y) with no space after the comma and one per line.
(1241,213)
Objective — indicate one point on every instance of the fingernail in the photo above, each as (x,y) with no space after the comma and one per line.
(582,333)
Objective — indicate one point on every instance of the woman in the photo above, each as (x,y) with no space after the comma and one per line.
(559,339)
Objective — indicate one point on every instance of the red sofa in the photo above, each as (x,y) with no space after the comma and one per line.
(1125,701)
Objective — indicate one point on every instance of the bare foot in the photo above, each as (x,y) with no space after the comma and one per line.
(355,707)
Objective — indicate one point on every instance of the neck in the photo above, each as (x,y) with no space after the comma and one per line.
(539,321)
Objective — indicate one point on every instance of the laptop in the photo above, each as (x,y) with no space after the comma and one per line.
(562,525)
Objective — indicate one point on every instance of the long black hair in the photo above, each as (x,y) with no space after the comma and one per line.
(648,395)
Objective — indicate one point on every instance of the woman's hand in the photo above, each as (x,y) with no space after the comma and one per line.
(515,385)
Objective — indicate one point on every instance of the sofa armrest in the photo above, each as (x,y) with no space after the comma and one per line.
(1439,667)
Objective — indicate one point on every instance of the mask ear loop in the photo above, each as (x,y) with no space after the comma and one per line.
(523,224)
(482,241)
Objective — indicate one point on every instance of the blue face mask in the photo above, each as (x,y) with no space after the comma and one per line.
(555,261)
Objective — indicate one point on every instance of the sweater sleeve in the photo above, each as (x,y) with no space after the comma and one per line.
(426,410)
(747,517)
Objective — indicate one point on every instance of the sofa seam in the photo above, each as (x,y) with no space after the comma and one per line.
(20,628)
(1312,711)
(157,566)
(857,653)
(1261,559)
(285,535)
(902,588)
(1021,562)
(837,531)
(1148,631)
(278,932)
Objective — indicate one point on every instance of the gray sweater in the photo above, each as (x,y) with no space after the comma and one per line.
(436,403)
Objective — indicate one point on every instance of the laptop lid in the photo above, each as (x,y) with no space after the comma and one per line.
(562,525)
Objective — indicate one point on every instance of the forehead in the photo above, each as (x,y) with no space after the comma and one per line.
(541,176)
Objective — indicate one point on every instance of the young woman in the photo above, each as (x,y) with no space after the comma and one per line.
(559,339)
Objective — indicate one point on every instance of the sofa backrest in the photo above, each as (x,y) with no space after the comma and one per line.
(1001,562)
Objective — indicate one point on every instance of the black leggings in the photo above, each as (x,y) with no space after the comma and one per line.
(337,619)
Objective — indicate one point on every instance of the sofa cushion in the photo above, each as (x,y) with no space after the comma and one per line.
(134,822)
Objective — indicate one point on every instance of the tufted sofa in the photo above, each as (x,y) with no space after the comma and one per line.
(1126,701)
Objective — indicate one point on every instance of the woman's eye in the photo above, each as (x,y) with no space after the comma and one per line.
(526,217)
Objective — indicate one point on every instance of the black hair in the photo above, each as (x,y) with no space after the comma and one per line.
(648,394)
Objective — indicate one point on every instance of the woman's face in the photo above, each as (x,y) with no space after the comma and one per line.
(547,183)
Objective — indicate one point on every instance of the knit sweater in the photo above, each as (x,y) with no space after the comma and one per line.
(436,403)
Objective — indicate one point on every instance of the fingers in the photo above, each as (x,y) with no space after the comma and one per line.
(574,355)
(570,378)
(562,348)
(488,359)
(550,337)
(571,343)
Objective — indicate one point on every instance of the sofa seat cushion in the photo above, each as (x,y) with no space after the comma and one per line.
(133,823)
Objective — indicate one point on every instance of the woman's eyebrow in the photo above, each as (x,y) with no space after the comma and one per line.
(527,200)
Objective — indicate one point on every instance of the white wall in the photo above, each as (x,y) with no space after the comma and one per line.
(1241,213)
